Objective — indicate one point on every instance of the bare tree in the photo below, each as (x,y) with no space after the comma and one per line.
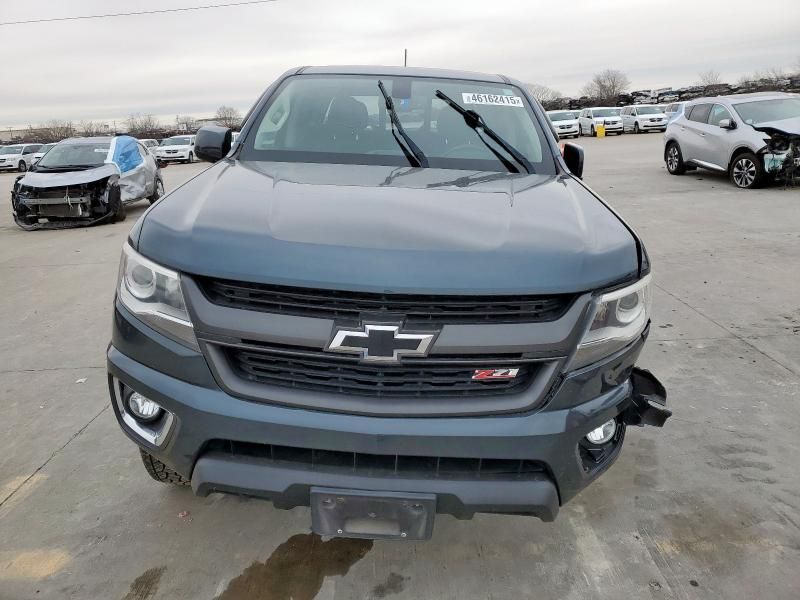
(55,130)
(144,126)
(185,123)
(227,116)
(543,93)
(710,77)
(607,85)
(774,74)
(93,128)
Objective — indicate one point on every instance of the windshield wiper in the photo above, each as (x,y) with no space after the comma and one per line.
(476,122)
(410,149)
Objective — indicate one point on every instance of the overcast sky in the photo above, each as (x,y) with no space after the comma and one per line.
(192,62)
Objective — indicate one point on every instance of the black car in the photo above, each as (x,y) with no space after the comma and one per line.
(392,297)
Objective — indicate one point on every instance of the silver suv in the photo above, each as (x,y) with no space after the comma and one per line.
(726,134)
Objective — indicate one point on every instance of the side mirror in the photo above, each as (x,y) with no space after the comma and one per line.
(212,143)
(573,156)
(727,124)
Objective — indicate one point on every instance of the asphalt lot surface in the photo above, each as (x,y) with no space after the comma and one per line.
(708,507)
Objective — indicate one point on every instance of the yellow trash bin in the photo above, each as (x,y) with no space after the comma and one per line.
(600,130)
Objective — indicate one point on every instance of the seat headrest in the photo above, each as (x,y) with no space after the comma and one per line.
(348,113)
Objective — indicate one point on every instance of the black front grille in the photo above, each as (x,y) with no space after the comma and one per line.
(334,304)
(333,373)
(383,465)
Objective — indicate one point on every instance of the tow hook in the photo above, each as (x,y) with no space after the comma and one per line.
(649,401)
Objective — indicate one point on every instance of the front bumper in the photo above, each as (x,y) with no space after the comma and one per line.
(648,125)
(179,156)
(228,444)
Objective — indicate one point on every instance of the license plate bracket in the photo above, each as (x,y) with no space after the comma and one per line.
(375,515)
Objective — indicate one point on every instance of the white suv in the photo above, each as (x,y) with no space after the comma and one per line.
(565,122)
(600,115)
(644,117)
(18,156)
(177,147)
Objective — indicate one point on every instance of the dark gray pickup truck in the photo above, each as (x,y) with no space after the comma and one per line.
(392,297)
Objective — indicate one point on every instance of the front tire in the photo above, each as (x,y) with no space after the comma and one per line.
(674,160)
(22,167)
(636,128)
(115,206)
(592,132)
(161,472)
(746,171)
(190,159)
(158,191)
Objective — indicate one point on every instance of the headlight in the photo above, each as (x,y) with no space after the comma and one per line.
(153,293)
(619,317)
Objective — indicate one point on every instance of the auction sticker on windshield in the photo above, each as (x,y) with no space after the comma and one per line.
(493,99)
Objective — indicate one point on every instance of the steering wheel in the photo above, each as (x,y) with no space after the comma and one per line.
(476,151)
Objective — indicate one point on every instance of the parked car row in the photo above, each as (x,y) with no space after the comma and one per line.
(634,119)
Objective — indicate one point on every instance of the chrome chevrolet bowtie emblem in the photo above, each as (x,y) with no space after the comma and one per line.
(386,343)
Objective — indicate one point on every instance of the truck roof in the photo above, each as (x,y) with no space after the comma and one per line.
(397,71)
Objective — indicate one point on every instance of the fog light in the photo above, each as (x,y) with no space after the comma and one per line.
(143,409)
(604,433)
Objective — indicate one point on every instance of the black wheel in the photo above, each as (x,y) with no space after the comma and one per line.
(674,159)
(636,128)
(22,167)
(592,132)
(746,171)
(159,471)
(191,158)
(158,190)
(115,205)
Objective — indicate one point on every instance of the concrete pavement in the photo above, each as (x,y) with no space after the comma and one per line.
(708,507)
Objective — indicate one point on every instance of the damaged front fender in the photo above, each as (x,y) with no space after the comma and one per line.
(648,401)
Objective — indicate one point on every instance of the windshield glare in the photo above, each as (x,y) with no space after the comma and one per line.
(763,111)
(77,155)
(343,119)
(178,141)
(605,112)
(648,110)
(11,150)
(565,116)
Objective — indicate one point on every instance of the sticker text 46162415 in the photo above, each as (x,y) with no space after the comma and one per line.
(491,99)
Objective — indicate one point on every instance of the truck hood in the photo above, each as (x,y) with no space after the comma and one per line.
(389,229)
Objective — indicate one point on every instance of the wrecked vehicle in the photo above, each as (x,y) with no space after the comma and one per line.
(392,297)
(85,181)
(734,135)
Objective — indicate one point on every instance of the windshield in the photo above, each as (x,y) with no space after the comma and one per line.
(91,154)
(648,110)
(564,116)
(605,112)
(177,141)
(763,111)
(343,119)
(11,150)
